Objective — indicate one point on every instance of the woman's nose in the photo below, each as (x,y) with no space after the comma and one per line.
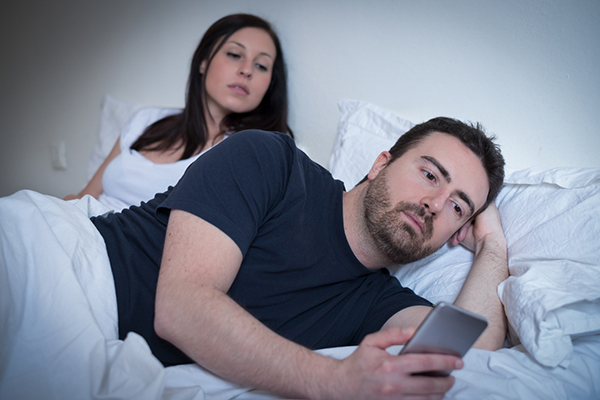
(245,70)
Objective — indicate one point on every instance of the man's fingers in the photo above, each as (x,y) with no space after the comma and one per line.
(416,365)
(402,374)
(377,374)
(422,363)
(389,337)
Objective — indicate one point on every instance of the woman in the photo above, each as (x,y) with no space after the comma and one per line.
(237,81)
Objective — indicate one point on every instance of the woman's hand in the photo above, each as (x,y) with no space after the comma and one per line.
(94,187)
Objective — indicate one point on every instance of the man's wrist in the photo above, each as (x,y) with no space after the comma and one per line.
(329,383)
(492,243)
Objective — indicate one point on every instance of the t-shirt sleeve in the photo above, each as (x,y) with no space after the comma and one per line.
(392,298)
(235,185)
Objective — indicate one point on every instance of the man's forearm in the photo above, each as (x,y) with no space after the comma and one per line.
(228,341)
(194,313)
(479,293)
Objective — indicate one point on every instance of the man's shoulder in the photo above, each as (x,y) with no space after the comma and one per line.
(266,138)
(260,145)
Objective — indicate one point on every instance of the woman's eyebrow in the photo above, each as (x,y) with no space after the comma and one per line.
(448,179)
(243,47)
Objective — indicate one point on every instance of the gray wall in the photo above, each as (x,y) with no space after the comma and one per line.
(527,69)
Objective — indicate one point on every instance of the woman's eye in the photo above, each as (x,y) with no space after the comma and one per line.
(233,55)
(261,67)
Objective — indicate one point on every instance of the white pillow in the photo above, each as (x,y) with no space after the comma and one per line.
(115,113)
(364,131)
(552,227)
(552,231)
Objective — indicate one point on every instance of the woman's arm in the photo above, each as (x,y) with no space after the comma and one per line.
(194,313)
(94,186)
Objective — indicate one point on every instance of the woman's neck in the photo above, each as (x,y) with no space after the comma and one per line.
(213,126)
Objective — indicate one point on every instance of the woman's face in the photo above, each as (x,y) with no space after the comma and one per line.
(240,73)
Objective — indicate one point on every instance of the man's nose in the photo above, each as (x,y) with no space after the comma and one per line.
(434,203)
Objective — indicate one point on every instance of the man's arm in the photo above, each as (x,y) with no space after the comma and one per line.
(194,313)
(479,293)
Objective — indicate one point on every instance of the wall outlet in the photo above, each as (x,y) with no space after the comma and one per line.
(59,156)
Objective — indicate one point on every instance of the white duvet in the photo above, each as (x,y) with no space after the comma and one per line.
(58,336)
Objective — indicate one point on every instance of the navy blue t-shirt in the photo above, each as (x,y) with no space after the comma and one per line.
(298,276)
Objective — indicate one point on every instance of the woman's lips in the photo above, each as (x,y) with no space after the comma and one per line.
(240,88)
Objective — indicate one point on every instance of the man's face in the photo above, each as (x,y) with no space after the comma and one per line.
(415,204)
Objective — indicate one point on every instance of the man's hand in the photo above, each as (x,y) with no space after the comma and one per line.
(194,313)
(372,373)
(485,225)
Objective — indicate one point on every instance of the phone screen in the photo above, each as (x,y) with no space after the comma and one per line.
(448,329)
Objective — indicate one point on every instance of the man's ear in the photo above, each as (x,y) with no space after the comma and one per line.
(460,234)
(380,163)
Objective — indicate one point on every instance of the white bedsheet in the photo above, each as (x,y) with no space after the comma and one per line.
(58,309)
(58,335)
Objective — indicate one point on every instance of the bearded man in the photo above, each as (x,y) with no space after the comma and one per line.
(258,256)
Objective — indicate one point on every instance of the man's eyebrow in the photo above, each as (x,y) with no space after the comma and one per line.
(467,200)
(448,179)
(243,47)
(439,166)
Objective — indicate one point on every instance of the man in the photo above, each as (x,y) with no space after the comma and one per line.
(266,256)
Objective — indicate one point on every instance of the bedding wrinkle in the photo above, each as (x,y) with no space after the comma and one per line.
(554,264)
(551,296)
(548,216)
(59,309)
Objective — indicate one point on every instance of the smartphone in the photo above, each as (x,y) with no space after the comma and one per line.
(448,329)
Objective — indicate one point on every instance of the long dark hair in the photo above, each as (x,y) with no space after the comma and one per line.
(189,128)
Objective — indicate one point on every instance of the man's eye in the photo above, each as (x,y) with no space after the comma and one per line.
(457,209)
(429,175)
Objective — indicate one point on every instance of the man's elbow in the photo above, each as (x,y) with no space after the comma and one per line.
(488,344)
(492,338)
(164,320)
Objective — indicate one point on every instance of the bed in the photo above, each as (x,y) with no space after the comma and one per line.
(58,324)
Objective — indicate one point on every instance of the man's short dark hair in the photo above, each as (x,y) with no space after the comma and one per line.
(471,135)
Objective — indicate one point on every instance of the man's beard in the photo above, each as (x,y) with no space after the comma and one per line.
(395,238)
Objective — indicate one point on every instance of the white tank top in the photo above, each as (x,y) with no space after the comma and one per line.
(131,178)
